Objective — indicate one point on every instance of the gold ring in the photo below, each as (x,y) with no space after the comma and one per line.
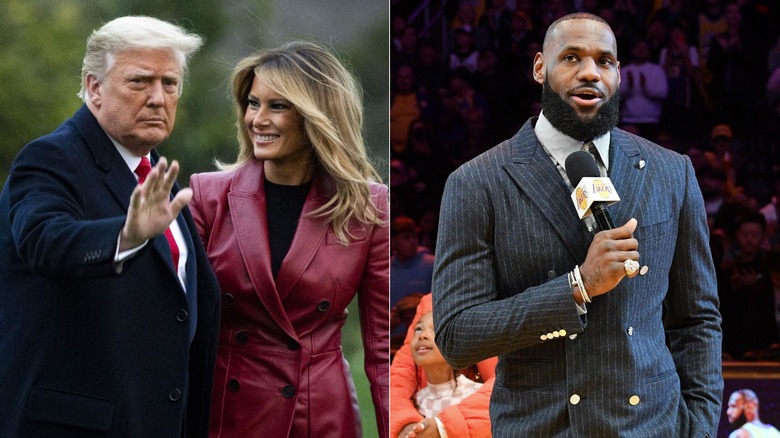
(631,266)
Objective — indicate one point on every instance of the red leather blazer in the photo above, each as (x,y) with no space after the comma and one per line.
(280,370)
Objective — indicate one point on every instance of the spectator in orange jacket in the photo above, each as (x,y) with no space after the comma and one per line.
(469,418)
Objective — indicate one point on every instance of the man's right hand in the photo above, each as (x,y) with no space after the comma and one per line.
(603,267)
(151,210)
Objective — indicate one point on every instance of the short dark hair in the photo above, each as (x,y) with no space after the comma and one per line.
(574,16)
(403,224)
(751,217)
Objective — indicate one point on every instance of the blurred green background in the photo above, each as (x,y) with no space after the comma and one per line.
(42,45)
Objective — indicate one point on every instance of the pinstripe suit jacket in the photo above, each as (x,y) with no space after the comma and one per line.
(645,359)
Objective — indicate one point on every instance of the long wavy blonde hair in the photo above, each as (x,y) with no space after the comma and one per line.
(328,99)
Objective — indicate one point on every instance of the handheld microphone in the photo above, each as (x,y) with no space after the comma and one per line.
(592,192)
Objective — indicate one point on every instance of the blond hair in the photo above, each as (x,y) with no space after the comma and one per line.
(328,99)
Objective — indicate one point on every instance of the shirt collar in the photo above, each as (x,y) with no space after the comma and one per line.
(560,145)
(130,158)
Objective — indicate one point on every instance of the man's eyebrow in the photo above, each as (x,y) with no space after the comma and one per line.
(135,71)
(138,72)
(578,48)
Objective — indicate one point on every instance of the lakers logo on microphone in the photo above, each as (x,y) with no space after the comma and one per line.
(602,189)
(581,197)
(591,190)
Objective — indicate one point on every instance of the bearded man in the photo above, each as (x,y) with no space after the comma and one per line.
(599,332)
(744,419)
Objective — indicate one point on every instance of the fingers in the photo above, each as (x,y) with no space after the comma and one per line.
(631,267)
(604,265)
(618,239)
(171,174)
(630,263)
(161,178)
(151,208)
(135,198)
(180,200)
(630,226)
(623,232)
(152,183)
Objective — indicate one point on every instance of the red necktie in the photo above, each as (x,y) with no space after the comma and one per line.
(142,170)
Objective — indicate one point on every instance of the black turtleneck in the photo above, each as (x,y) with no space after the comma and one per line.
(283,209)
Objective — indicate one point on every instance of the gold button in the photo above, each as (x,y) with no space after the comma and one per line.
(633,400)
(574,399)
(562,332)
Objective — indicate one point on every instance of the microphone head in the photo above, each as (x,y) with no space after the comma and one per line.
(580,164)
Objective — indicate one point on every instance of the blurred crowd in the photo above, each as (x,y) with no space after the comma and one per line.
(698,77)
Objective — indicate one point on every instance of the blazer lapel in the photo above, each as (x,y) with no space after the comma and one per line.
(533,171)
(309,236)
(626,174)
(248,205)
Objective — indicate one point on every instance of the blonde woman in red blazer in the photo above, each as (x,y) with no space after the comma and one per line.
(294,229)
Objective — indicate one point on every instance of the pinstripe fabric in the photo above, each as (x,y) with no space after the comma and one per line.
(509,235)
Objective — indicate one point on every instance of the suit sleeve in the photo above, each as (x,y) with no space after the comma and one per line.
(471,322)
(49,215)
(374,304)
(692,320)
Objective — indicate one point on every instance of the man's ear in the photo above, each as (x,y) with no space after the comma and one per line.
(539,69)
(94,90)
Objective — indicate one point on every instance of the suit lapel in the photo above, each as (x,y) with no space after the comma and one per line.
(532,170)
(626,175)
(248,205)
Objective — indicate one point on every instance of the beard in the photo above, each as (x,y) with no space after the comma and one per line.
(739,421)
(565,119)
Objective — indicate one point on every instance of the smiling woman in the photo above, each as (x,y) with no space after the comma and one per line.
(295,229)
(279,139)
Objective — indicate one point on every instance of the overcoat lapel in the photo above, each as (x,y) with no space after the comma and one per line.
(533,171)
(247,202)
(119,180)
(161,242)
